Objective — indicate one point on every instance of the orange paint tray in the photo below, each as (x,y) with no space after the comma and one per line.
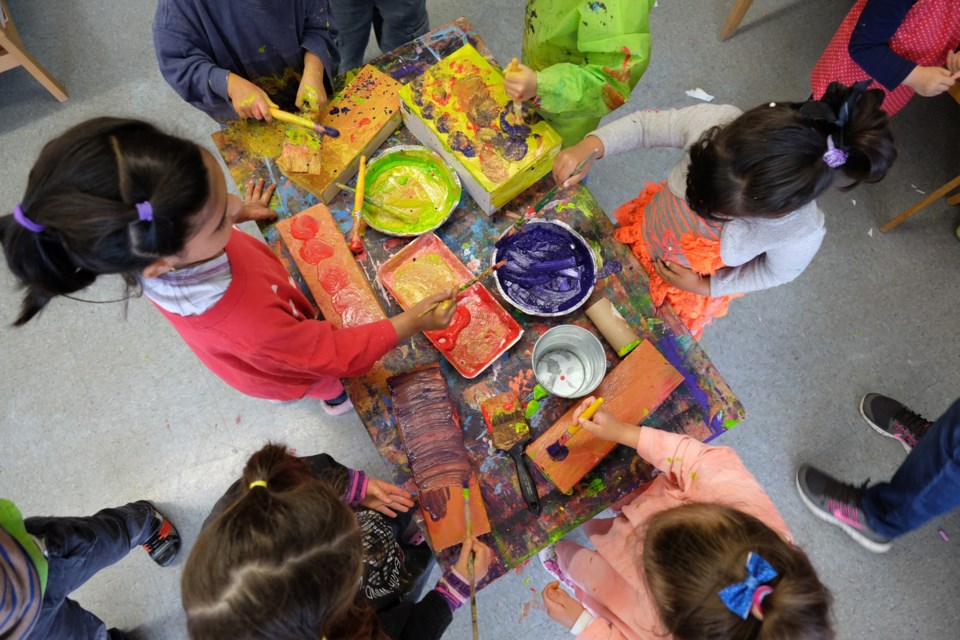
(481,331)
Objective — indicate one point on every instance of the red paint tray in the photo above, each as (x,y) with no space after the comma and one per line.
(481,331)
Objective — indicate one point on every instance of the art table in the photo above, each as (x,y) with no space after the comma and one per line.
(702,407)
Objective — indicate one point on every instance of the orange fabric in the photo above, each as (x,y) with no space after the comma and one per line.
(703,254)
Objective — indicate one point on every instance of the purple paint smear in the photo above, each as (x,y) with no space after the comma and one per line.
(548,269)
(610,267)
(673,352)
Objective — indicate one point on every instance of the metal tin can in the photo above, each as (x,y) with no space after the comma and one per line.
(569,361)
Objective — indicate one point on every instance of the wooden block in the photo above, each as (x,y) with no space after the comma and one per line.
(299,159)
(335,279)
(458,108)
(365,114)
(631,392)
(430,431)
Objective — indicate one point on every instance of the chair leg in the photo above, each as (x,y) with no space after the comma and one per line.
(10,41)
(933,197)
(954,200)
(734,19)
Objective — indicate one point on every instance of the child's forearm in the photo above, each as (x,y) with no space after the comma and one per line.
(312,64)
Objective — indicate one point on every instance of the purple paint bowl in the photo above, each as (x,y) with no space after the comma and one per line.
(551,270)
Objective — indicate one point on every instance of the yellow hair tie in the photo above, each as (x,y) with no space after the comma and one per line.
(258,483)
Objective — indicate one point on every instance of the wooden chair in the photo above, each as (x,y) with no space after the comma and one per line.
(734,19)
(936,195)
(13,54)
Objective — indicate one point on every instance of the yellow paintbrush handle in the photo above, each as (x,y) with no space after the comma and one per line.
(361,183)
(283,116)
(586,415)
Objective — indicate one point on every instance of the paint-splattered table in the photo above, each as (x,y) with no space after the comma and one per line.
(702,407)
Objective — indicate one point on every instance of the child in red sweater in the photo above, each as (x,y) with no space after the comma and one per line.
(113,196)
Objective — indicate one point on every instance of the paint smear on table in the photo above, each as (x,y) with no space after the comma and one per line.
(432,438)
(481,330)
(459,108)
(418,184)
(329,269)
(549,270)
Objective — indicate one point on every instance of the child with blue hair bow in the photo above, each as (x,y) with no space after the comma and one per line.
(699,552)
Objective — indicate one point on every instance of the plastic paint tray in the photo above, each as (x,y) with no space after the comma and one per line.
(412,179)
(536,298)
(481,331)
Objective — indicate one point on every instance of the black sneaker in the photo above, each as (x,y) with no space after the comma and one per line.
(163,545)
(892,419)
(839,504)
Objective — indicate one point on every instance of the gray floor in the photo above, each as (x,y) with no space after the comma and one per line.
(98,407)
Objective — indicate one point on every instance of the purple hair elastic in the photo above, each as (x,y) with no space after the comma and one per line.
(834,157)
(26,222)
(145,211)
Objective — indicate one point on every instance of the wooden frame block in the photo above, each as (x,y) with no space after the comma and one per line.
(336,281)
(631,392)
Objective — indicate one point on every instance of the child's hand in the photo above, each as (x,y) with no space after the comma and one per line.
(386,498)
(604,425)
(560,606)
(953,62)
(482,559)
(311,94)
(249,100)
(683,278)
(256,204)
(568,160)
(931,81)
(410,322)
(520,84)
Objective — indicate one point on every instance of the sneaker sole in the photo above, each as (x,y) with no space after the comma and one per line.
(867,543)
(880,430)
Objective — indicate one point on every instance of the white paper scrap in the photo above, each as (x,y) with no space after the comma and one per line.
(700,94)
(853,201)
(870,233)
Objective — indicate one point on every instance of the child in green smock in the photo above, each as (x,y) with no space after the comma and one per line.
(581,60)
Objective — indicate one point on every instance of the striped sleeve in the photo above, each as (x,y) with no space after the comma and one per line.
(20,594)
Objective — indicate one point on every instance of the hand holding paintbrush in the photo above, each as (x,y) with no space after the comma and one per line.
(558,450)
(605,425)
(469,283)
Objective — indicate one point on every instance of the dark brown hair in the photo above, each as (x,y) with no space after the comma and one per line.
(282,562)
(692,552)
(83,189)
(769,161)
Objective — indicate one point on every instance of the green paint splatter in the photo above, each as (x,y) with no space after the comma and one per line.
(539,393)
(730,423)
(596,486)
(627,348)
(532,407)
(563,206)
(672,460)
(693,475)
(360,100)
(527,581)
(262,49)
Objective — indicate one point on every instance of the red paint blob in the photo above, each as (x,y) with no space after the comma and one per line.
(563,377)
(363,122)
(334,279)
(446,339)
(304,227)
(315,251)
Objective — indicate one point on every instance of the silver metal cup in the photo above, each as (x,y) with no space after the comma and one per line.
(569,362)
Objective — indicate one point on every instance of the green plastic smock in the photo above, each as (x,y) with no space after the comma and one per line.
(588,57)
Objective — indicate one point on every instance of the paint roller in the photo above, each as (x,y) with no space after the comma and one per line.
(558,451)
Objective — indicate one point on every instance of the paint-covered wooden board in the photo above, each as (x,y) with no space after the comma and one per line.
(430,431)
(481,330)
(337,282)
(458,108)
(631,392)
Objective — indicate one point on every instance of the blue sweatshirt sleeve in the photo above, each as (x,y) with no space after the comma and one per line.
(320,36)
(185,63)
(870,42)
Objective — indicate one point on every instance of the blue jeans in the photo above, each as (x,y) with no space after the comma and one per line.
(925,486)
(395,22)
(77,548)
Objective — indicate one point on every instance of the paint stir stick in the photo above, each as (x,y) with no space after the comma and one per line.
(558,450)
(468,517)
(537,208)
(300,121)
(466,285)
(356,244)
(380,204)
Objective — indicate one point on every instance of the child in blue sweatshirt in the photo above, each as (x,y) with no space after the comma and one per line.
(239,58)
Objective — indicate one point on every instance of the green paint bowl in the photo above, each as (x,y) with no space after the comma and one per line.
(417,186)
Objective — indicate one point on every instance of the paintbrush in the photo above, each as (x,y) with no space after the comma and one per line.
(300,121)
(537,208)
(468,518)
(517,105)
(510,432)
(558,450)
(356,244)
(380,204)
(466,285)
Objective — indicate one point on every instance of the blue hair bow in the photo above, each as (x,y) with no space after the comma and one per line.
(738,597)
